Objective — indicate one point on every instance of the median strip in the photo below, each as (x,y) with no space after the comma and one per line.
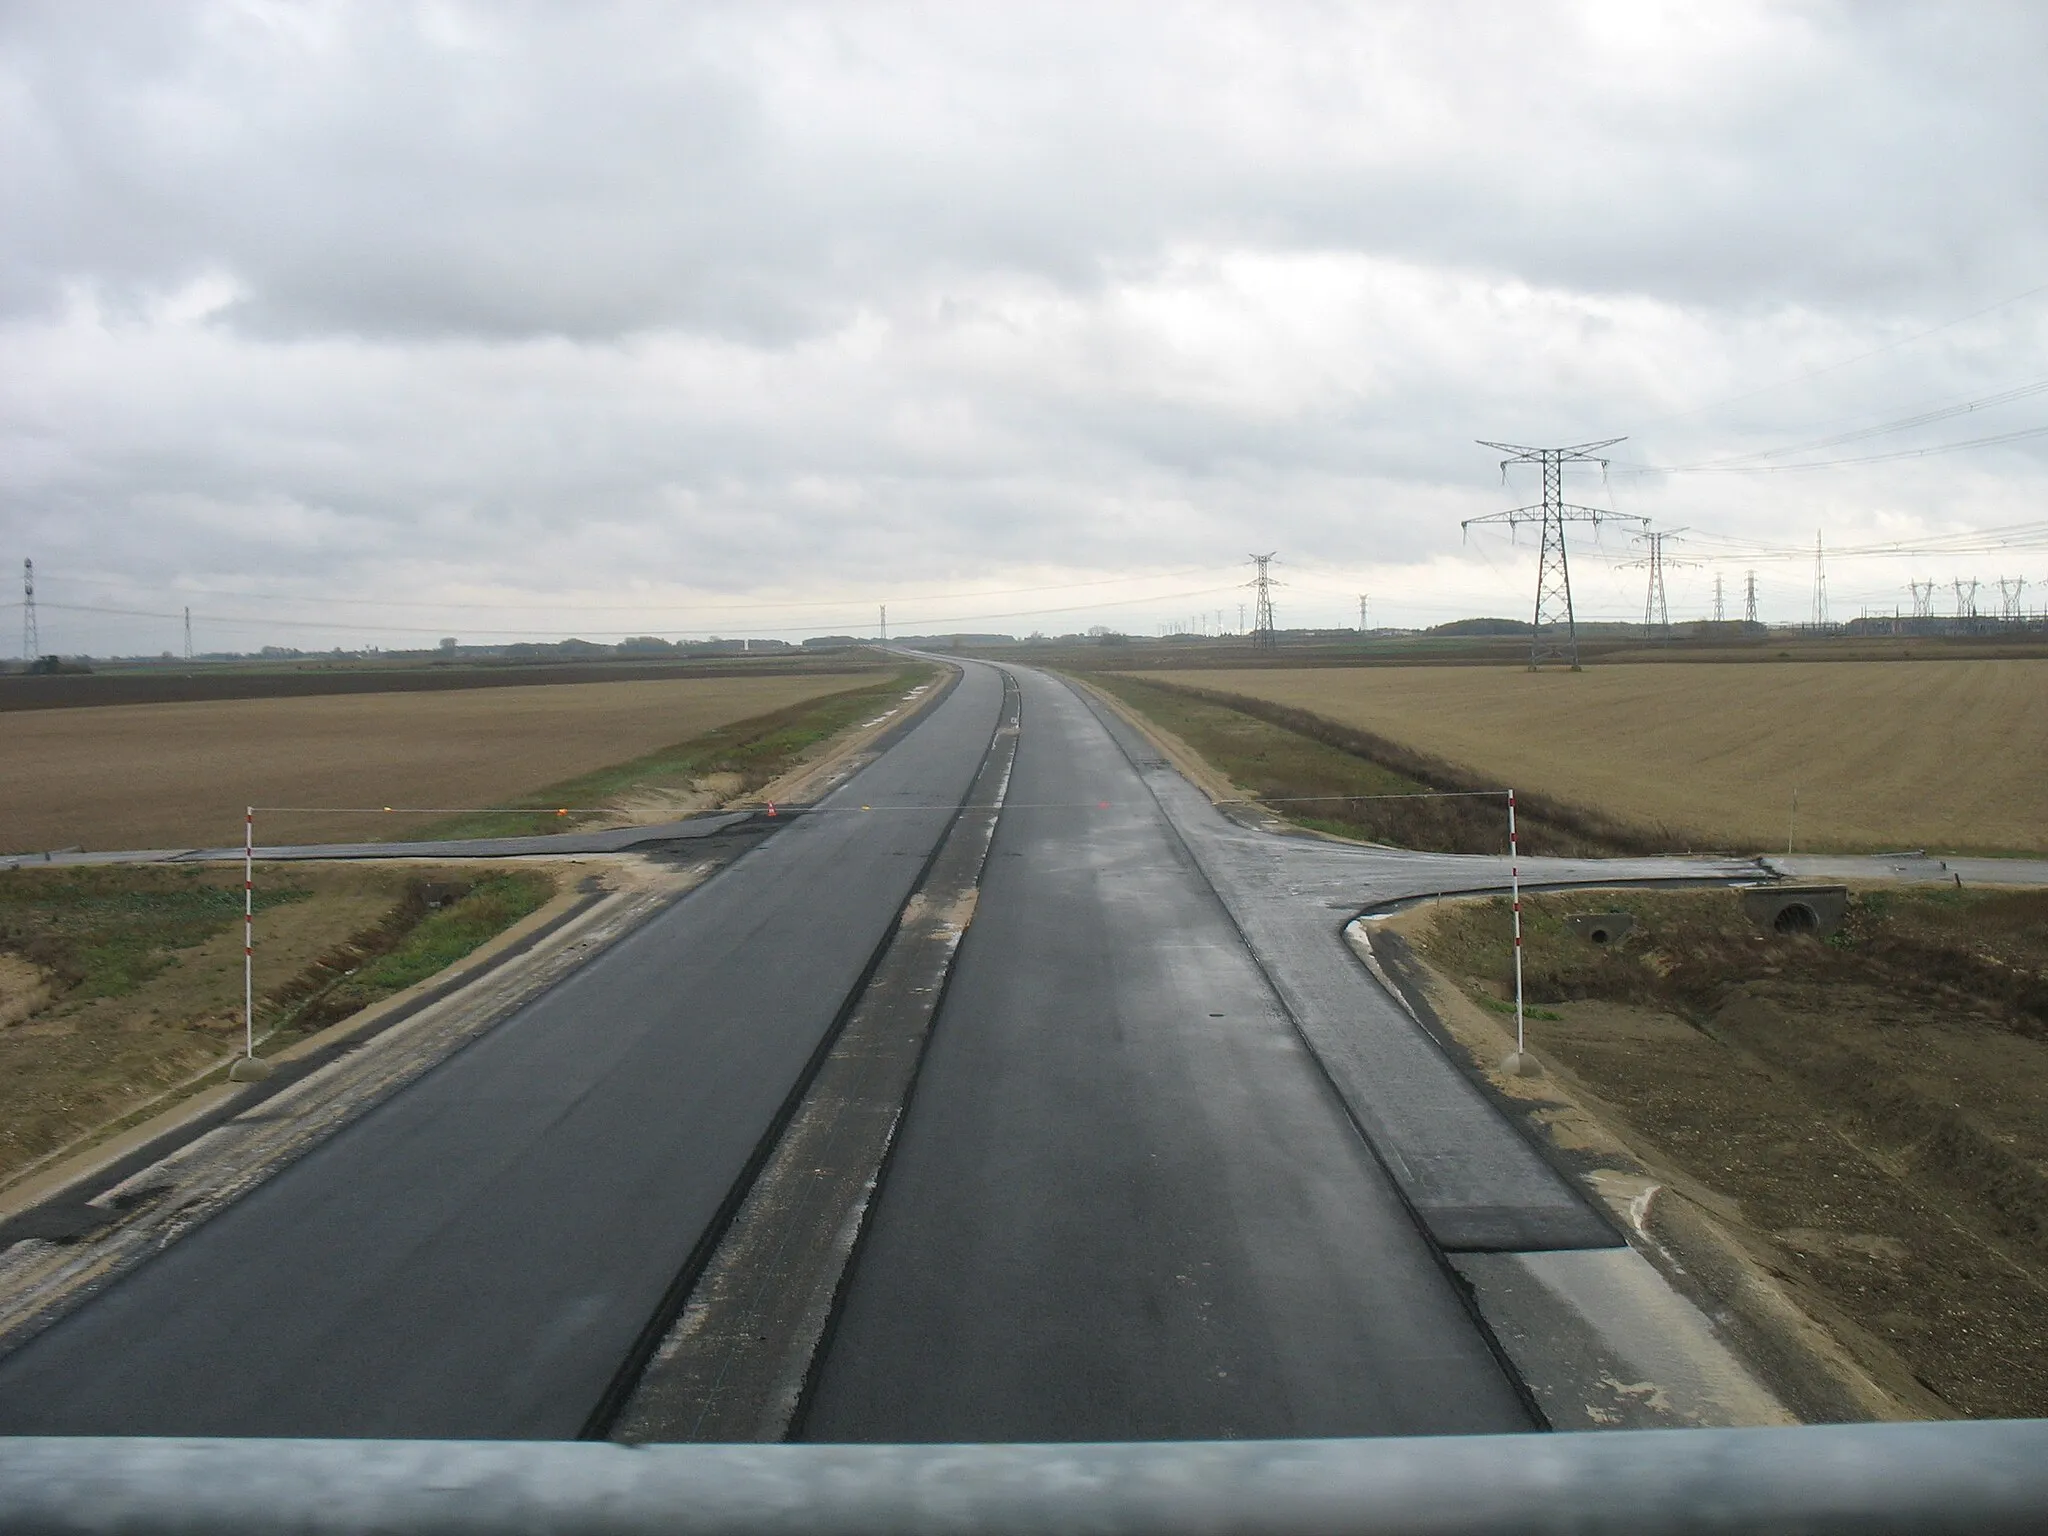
(736,1361)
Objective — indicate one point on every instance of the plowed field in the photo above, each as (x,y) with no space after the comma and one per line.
(178,775)
(1950,755)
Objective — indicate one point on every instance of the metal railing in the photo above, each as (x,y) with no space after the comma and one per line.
(1981,1478)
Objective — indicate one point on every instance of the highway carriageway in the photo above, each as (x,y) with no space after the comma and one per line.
(1013,1093)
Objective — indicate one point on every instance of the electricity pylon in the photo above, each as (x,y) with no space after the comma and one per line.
(1966,597)
(2009,596)
(1555,634)
(1923,598)
(1262,584)
(1820,583)
(1656,611)
(1749,598)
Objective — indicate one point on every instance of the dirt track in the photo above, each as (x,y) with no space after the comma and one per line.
(178,775)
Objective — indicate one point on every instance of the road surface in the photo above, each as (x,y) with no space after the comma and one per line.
(1174,1166)
(1126,1203)
(477,1256)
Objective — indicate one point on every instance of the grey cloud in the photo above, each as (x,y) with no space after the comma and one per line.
(723,297)
(760,172)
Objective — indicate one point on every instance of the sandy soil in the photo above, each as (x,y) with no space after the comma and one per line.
(1938,754)
(178,775)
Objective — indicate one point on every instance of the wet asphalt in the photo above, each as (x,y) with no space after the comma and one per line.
(477,1256)
(1125,1202)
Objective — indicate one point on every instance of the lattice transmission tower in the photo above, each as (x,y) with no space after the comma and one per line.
(1923,598)
(1555,633)
(1820,583)
(31,641)
(1749,597)
(1966,596)
(1656,611)
(1264,636)
(2009,591)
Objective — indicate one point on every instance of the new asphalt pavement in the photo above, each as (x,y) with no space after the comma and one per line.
(1126,1202)
(1174,1166)
(477,1256)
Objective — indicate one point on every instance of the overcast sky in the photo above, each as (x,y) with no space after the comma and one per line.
(363,324)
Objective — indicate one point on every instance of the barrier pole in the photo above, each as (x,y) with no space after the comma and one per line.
(1515,891)
(249,932)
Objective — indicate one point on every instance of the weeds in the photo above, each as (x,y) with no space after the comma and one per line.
(434,925)
(104,932)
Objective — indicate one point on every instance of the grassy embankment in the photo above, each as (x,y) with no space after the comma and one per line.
(1867,1115)
(1315,772)
(729,762)
(122,986)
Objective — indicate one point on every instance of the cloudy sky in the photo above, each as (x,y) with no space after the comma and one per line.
(367,323)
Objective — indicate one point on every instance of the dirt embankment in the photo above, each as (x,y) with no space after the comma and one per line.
(1866,1115)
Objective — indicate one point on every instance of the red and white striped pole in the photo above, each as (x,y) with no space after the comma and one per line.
(247,1069)
(1515,889)
(249,931)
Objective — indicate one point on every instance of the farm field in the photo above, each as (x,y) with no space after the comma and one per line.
(178,775)
(1946,755)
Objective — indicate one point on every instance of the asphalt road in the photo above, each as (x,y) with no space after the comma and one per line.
(476,1256)
(1125,1202)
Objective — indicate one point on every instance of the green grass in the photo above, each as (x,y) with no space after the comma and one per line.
(432,927)
(1325,776)
(105,932)
(757,751)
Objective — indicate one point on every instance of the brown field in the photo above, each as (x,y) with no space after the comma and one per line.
(1948,755)
(178,775)
(1864,1116)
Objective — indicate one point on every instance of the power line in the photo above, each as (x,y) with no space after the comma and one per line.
(1903,424)
(1869,458)
(769,605)
(1861,357)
